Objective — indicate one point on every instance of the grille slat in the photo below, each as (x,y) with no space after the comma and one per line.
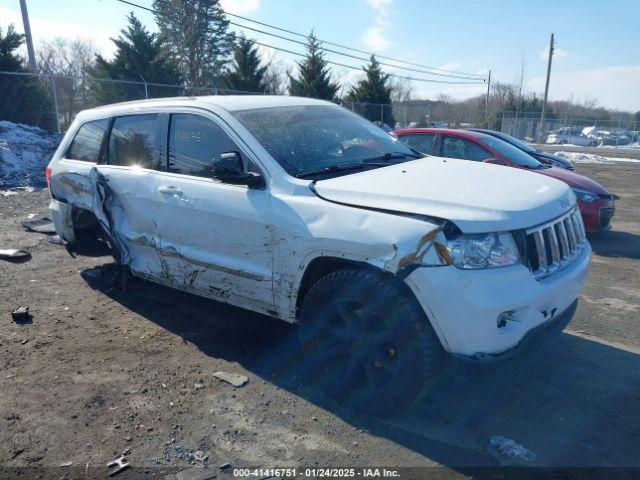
(556,244)
(571,237)
(541,249)
(576,228)
(564,241)
(553,244)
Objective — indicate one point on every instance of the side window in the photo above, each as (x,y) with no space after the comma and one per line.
(423,142)
(195,142)
(133,141)
(452,147)
(457,147)
(86,144)
(476,152)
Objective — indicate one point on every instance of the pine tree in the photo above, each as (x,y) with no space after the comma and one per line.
(23,99)
(138,58)
(314,77)
(247,74)
(194,33)
(374,89)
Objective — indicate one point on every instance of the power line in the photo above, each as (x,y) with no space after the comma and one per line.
(462,76)
(470,82)
(449,74)
(354,56)
(355,49)
(437,72)
(360,69)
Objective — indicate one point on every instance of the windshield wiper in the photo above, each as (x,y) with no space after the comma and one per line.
(377,161)
(340,167)
(389,156)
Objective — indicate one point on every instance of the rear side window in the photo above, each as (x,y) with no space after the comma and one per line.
(86,144)
(195,142)
(133,141)
(423,142)
(457,147)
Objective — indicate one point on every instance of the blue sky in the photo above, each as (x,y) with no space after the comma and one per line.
(598,43)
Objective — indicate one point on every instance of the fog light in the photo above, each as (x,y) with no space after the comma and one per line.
(505,317)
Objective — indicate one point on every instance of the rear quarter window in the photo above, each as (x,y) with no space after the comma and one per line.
(133,141)
(87,142)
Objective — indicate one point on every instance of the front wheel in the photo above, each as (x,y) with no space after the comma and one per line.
(367,341)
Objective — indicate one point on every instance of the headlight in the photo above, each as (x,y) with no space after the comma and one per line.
(485,250)
(584,195)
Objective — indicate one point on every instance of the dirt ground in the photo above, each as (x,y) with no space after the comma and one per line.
(101,370)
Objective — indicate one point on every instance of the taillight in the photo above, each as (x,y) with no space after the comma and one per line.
(47,175)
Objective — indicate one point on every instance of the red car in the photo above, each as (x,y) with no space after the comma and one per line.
(596,204)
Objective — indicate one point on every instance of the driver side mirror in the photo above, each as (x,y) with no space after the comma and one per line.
(229,168)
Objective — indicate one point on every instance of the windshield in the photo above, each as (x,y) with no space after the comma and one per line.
(514,141)
(311,139)
(513,154)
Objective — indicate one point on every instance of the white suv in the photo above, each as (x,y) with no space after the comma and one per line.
(302,210)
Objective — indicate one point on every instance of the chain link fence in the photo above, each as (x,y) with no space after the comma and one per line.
(616,131)
(51,102)
(417,113)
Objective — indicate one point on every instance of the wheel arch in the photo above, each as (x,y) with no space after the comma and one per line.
(320,266)
(323,265)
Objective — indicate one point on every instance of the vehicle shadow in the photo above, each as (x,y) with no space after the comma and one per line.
(616,244)
(574,404)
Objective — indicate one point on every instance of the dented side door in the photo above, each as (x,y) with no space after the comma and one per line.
(123,191)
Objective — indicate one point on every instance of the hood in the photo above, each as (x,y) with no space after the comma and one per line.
(574,179)
(477,197)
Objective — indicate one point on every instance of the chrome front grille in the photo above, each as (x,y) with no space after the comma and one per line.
(554,245)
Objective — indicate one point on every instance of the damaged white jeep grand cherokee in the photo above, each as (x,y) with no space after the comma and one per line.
(302,210)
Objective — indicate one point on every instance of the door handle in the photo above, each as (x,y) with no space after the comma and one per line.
(170,191)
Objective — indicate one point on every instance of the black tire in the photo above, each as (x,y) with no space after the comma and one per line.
(367,341)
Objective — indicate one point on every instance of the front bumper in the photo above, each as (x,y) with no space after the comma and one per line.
(597,215)
(464,306)
(534,338)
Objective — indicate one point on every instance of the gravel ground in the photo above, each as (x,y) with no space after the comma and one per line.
(101,370)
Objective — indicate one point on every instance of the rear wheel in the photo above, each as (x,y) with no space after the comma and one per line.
(88,236)
(367,341)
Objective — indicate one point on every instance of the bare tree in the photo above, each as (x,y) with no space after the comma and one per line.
(61,56)
(68,60)
(401,90)
(521,79)
(276,77)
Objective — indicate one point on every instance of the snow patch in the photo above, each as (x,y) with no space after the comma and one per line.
(512,449)
(577,157)
(25,151)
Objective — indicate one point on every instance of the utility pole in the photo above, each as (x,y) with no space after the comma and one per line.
(546,90)
(486,106)
(27,34)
